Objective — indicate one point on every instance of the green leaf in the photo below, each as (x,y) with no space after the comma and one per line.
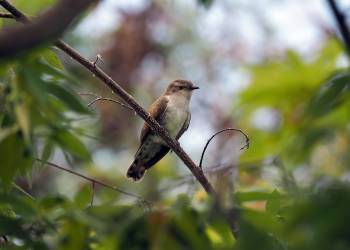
(273,204)
(330,95)
(29,80)
(47,151)
(52,59)
(70,100)
(23,119)
(252,237)
(261,220)
(72,144)
(83,198)
(54,72)
(15,158)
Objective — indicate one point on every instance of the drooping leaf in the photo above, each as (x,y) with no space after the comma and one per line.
(67,97)
(72,144)
(83,197)
(52,59)
(330,95)
(15,158)
(47,151)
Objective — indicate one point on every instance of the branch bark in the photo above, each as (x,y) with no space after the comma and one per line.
(117,89)
(48,26)
(154,125)
(341,21)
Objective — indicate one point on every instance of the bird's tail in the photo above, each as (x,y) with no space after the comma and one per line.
(136,171)
(146,158)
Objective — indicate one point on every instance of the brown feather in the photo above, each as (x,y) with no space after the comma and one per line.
(156,110)
(151,151)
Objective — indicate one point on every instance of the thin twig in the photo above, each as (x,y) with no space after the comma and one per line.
(88,94)
(219,132)
(6,15)
(23,191)
(184,179)
(109,100)
(92,180)
(97,59)
(117,89)
(101,98)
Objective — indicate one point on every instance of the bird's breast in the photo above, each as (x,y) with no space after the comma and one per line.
(175,115)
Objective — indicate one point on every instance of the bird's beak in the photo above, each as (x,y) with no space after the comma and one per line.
(194,87)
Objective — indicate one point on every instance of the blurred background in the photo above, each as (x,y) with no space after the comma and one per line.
(275,69)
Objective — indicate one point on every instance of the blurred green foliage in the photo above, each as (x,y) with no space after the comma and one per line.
(37,101)
(310,101)
(33,7)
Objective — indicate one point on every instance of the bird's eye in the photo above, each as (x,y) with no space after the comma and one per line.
(181,88)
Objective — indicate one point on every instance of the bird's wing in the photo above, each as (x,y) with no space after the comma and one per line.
(184,126)
(156,110)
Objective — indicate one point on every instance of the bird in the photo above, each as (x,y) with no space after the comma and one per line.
(170,110)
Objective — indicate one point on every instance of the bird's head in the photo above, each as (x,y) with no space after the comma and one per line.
(180,87)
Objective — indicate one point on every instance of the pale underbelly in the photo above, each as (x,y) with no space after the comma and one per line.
(173,122)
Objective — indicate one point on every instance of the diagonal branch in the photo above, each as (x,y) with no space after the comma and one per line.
(92,180)
(153,124)
(46,27)
(117,89)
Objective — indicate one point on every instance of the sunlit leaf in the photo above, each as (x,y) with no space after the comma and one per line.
(52,59)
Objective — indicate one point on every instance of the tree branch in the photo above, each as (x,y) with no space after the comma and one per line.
(117,89)
(341,21)
(153,124)
(46,27)
(92,180)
